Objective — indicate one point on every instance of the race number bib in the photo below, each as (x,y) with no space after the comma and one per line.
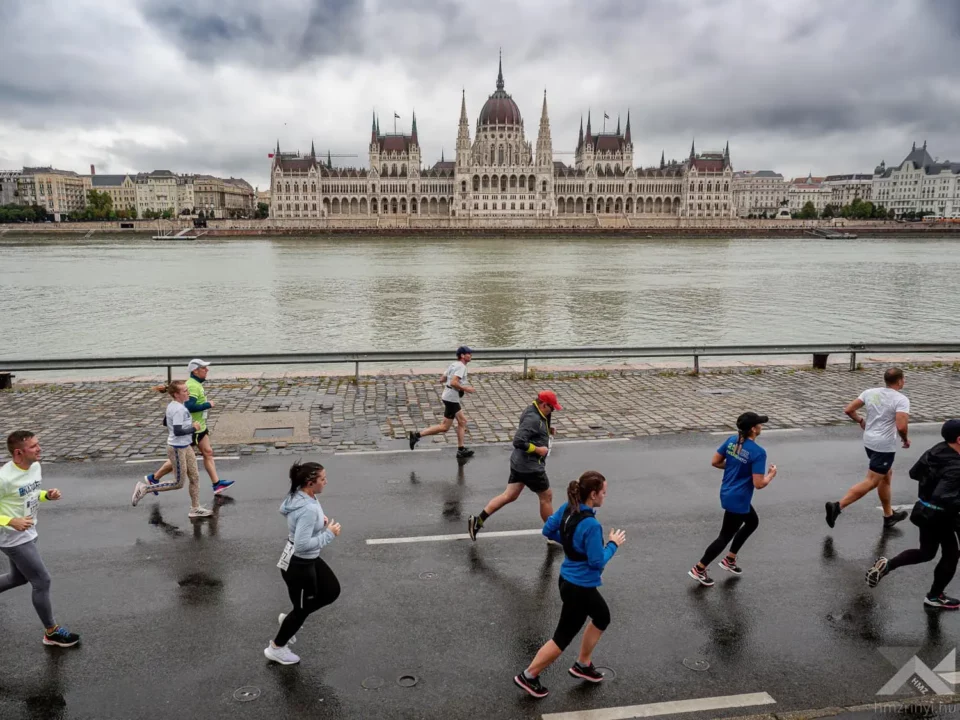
(32,504)
(285,556)
(549,445)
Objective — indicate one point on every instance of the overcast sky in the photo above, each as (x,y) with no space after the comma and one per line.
(211,85)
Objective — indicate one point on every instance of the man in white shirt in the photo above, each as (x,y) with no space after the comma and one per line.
(884,429)
(454,387)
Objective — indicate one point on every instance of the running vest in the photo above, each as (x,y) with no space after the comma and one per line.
(568,526)
(195,388)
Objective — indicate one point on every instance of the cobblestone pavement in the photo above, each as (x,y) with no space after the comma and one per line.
(122,419)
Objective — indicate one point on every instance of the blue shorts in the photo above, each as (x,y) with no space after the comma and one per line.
(880,462)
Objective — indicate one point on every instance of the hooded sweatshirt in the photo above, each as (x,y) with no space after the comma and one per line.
(938,472)
(307,529)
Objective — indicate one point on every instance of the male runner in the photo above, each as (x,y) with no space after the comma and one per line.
(887,416)
(198,406)
(20,498)
(454,381)
(531,444)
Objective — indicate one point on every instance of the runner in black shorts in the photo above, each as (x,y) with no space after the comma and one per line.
(531,445)
(454,386)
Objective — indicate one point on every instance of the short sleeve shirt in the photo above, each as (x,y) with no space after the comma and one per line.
(881,406)
(736,491)
(459,370)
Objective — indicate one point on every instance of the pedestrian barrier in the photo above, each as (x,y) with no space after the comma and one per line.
(818,351)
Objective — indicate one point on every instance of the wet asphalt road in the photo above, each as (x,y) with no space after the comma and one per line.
(174,613)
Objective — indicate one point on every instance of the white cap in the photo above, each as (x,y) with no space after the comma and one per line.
(196,363)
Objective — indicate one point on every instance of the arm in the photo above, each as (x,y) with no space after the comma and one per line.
(921,469)
(598,554)
(303,538)
(719,461)
(180,430)
(455,384)
(851,412)
(760,478)
(551,528)
(521,440)
(193,406)
(903,420)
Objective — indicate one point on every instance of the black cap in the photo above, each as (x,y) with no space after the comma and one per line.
(951,430)
(464,350)
(749,419)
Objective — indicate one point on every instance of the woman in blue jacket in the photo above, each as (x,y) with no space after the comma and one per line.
(311,584)
(576,527)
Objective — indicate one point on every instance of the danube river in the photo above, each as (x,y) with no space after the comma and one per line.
(110,297)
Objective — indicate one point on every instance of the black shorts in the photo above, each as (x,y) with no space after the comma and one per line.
(880,462)
(537,482)
(198,436)
(450,409)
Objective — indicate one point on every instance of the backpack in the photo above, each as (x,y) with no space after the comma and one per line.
(568,526)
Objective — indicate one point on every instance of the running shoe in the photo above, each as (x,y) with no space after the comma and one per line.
(280,655)
(586,672)
(138,492)
(151,480)
(833,512)
(293,639)
(876,573)
(942,601)
(533,687)
(414,438)
(464,453)
(221,486)
(61,637)
(898,515)
(700,576)
(199,512)
(473,527)
(731,566)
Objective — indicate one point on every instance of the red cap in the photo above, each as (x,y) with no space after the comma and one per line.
(549,397)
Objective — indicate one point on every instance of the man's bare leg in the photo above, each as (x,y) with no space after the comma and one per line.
(206,449)
(870,482)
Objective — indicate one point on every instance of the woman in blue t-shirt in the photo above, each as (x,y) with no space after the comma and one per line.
(744,468)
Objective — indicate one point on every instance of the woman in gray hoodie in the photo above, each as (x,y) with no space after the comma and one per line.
(310,582)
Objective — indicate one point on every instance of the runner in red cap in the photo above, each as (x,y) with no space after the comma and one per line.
(531,444)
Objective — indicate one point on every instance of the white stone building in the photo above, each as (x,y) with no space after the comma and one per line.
(844,189)
(758,192)
(808,189)
(59,191)
(8,187)
(162,190)
(919,184)
(707,185)
(121,189)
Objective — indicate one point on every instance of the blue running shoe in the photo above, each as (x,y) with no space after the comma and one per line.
(151,480)
(61,637)
(222,486)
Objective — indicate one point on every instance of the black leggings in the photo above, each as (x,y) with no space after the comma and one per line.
(311,585)
(937,537)
(579,603)
(737,527)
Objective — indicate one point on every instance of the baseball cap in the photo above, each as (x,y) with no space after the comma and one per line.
(950,430)
(549,397)
(196,364)
(749,419)
(463,350)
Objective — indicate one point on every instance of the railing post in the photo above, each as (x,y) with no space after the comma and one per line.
(696,364)
(524,368)
(169,374)
(356,372)
(853,361)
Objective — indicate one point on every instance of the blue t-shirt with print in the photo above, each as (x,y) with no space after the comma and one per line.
(736,492)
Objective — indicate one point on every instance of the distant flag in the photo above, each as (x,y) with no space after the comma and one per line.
(269,155)
(606,117)
(396,116)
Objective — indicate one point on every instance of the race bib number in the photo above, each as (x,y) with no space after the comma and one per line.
(549,445)
(285,556)
(32,505)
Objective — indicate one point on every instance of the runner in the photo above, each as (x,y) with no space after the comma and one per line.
(310,582)
(575,525)
(454,387)
(20,498)
(936,514)
(180,430)
(888,415)
(199,407)
(531,445)
(744,469)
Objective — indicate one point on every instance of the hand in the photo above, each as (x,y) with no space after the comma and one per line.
(21,524)
(334,527)
(772,472)
(862,423)
(54,494)
(906,443)
(470,389)
(542,451)
(619,537)
(210,404)
(326,520)
(196,426)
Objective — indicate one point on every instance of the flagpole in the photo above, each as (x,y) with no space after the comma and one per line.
(604,122)
(394,123)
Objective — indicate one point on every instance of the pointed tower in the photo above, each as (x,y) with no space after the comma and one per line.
(663,162)
(313,151)
(584,157)
(544,142)
(413,131)
(329,161)
(589,137)
(627,145)
(627,138)
(618,126)
(726,155)
(500,72)
(373,128)
(374,149)
(463,135)
(580,139)
(693,150)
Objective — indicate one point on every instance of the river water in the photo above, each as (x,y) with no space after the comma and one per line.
(130,296)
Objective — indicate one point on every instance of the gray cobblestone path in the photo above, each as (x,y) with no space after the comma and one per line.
(122,419)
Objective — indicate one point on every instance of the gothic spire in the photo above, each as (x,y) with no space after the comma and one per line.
(693,149)
(627,136)
(329,161)
(413,133)
(463,107)
(500,72)
(618,125)
(278,147)
(589,134)
(580,141)
(663,162)
(313,152)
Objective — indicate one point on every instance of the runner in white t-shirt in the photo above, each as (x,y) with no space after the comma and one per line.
(454,387)
(884,430)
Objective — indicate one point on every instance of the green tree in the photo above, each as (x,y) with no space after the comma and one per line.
(829,211)
(263,211)
(167,214)
(808,211)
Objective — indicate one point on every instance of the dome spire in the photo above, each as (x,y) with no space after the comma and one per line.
(500,72)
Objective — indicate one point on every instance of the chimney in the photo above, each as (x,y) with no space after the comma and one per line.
(93,170)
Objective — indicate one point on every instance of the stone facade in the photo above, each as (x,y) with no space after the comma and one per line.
(808,189)
(9,193)
(221,198)
(59,191)
(708,185)
(121,189)
(844,189)
(919,184)
(756,192)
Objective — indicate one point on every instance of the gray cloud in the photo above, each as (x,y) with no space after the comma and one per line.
(209,85)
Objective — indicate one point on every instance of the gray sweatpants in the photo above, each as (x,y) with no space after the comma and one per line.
(27,567)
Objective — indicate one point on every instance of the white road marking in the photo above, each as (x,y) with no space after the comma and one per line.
(163,459)
(594,440)
(384,452)
(765,432)
(926,424)
(897,508)
(672,707)
(457,536)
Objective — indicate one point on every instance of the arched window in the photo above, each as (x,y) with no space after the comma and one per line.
(463,186)
(500,155)
(493,150)
(288,187)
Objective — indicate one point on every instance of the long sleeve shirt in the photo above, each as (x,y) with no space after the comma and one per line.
(587,540)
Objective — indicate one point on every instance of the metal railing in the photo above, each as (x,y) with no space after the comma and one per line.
(818,351)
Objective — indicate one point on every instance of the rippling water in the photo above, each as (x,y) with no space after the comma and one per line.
(108,297)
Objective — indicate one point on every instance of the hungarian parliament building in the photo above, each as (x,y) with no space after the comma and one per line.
(499,174)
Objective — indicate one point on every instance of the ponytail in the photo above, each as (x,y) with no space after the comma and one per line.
(740,439)
(171,388)
(302,473)
(579,490)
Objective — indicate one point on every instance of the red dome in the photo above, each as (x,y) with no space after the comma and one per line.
(500,109)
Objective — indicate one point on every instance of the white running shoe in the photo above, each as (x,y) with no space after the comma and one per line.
(199,512)
(138,492)
(292,640)
(280,655)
